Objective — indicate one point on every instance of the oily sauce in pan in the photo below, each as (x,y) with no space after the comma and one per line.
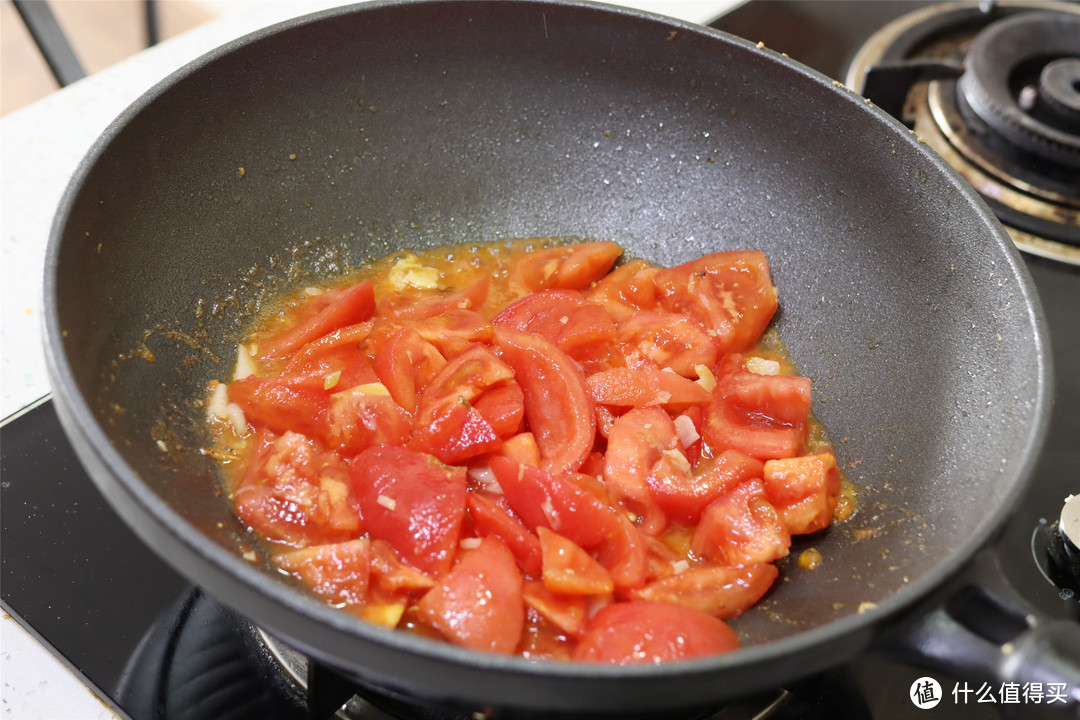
(526,447)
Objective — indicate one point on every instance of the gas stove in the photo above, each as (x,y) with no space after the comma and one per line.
(151,645)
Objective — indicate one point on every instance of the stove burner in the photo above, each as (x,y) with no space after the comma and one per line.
(996,92)
(1019,81)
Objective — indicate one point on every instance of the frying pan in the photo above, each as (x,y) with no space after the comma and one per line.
(308,148)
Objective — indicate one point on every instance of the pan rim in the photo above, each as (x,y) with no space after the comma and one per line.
(81,422)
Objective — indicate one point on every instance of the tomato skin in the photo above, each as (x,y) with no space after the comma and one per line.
(741,528)
(730,292)
(804,490)
(348,306)
(478,604)
(764,416)
(557,406)
(412,501)
(339,572)
(652,632)
(542,499)
(722,591)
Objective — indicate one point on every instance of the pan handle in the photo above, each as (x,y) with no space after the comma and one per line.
(984,631)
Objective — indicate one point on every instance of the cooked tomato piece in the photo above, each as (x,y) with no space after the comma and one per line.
(582,330)
(363,416)
(566,612)
(667,340)
(478,604)
(490,518)
(338,572)
(626,289)
(642,386)
(282,404)
(542,499)
(453,431)
(466,376)
(640,632)
(454,331)
(804,490)
(730,292)
(625,556)
(296,493)
(641,444)
(764,416)
(412,501)
(340,308)
(405,364)
(569,570)
(391,575)
(741,528)
(422,304)
(522,448)
(333,369)
(683,495)
(566,267)
(722,591)
(557,407)
(503,406)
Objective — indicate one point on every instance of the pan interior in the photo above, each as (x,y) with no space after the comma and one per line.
(301,153)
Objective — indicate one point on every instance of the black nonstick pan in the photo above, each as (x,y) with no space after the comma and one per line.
(306,149)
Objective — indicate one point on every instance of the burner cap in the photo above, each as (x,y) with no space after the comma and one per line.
(1023,81)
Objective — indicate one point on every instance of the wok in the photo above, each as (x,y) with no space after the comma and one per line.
(310,147)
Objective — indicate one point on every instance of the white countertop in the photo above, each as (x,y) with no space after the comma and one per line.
(40,147)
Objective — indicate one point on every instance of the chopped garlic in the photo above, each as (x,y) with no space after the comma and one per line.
(387,502)
(245,366)
(761,366)
(375,388)
(706,379)
(331,380)
(469,543)
(235,415)
(408,272)
(687,431)
(219,403)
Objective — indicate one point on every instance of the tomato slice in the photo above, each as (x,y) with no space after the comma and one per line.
(346,307)
(363,416)
(339,572)
(558,410)
(641,632)
(642,443)
(405,364)
(569,570)
(642,386)
(282,404)
(667,340)
(478,604)
(625,556)
(627,289)
(391,575)
(423,304)
(454,331)
(730,292)
(503,406)
(683,496)
(567,267)
(554,502)
(489,518)
(412,501)
(453,431)
(582,330)
(741,528)
(566,612)
(296,493)
(804,490)
(764,416)
(721,591)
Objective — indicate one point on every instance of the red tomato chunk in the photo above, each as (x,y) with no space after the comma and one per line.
(530,451)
